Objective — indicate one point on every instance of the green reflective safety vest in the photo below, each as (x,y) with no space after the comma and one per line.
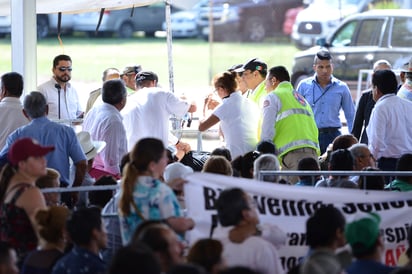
(258,93)
(295,125)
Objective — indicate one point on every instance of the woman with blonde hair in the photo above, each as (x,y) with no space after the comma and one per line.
(218,165)
(51,223)
(143,196)
(19,196)
(238,116)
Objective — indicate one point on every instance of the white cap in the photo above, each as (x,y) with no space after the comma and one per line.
(176,170)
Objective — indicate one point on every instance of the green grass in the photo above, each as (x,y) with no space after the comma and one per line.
(194,61)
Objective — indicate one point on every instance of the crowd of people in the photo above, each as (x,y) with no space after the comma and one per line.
(125,141)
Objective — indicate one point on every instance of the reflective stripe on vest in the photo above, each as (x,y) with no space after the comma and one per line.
(297,143)
(292,111)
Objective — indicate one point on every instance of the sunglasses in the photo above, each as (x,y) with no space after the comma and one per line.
(63,69)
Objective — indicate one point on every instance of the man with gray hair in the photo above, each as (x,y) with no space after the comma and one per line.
(362,158)
(365,106)
(47,132)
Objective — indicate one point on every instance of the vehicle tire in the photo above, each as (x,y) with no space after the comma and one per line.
(42,27)
(297,77)
(149,34)
(254,29)
(126,30)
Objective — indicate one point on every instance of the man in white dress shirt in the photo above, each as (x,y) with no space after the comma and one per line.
(11,110)
(61,96)
(390,125)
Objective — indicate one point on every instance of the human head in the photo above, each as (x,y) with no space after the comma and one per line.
(51,222)
(344,141)
(146,79)
(51,179)
(266,147)
(35,105)
(341,159)
(224,84)
(102,197)
(323,66)
(235,206)
(268,162)
(62,68)
(162,240)
(321,262)
(24,148)
(114,93)
(241,84)
(129,75)
(404,164)
(8,259)
(208,254)
(253,72)
(110,74)
(129,259)
(309,164)
(218,165)
(222,151)
(383,82)
(381,64)
(148,156)
(363,234)
(373,182)
(404,69)
(325,228)
(11,84)
(244,163)
(175,171)
(275,76)
(90,147)
(362,156)
(85,227)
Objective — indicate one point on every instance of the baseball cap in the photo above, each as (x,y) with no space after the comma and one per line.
(90,147)
(146,75)
(253,64)
(24,148)
(235,67)
(176,170)
(132,69)
(407,67)
(362,233)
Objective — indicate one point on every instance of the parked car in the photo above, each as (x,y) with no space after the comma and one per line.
(123,23)
(321,17)
(183,23)
(46,24)
(247,20)
(359,41)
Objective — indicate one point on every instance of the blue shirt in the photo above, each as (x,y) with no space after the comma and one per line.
(49,133)
(368,267)
(327,102)
(79,261)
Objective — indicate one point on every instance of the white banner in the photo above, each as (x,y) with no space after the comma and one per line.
(290,206)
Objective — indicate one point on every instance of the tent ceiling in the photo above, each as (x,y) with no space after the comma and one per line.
(78,6)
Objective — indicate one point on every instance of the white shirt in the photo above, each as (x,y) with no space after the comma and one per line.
(390,127)
(69,101)
(11,113)
(147,114)
(239,118)
(104,123)
(255,253)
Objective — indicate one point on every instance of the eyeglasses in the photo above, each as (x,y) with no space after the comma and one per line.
(63,69)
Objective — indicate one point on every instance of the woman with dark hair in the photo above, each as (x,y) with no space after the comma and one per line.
(208,254)
(237,115)
(19,196)
(143,196)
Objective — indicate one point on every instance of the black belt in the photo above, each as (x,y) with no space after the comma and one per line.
(328,129)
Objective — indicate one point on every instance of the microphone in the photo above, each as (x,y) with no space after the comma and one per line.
(58,87)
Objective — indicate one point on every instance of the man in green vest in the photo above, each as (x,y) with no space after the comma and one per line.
(253,72)
(288,121)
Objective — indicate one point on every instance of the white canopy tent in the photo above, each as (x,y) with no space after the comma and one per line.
(24,40)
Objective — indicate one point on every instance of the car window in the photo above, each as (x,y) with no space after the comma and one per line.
(344,36)
(369,32)
(402,32)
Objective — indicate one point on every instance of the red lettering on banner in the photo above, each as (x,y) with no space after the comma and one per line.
(392,255)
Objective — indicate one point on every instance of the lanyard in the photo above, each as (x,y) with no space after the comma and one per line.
(313,95)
